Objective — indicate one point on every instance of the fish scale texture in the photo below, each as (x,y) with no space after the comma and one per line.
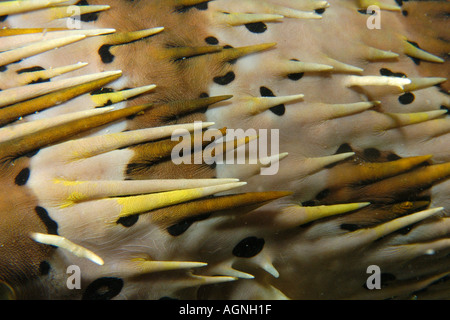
(355,121)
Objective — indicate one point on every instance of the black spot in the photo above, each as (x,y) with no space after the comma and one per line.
(249,247)
(3,18)
(181,227)
(31,69)
(386,278)
(386,72)
(50,224)
(200,6)
(211,40)
(323,194)
(295,76)
(405,13)
(256,27)
(415,44)
(22,178)
(204,109)
(372,154)
(101,91)
(226,79)
(31,154)
(310,203)
(350,227)
(44,268)
(445,108)
(128,221)
(3,68)
(104,53)
(232,61)
(393,157)
(280,109)
(320,11)
(399,2)
(344,148)
(404,231)
(406,98)
(103,289)
(87,17)
(389,73)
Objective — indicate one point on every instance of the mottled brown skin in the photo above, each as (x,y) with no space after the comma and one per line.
(20,256)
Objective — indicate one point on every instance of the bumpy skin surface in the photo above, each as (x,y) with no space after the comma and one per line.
(363,150)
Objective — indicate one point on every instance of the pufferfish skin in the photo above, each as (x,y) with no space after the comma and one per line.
(355,91)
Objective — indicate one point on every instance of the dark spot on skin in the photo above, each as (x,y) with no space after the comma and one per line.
(181,227)
(266,92)
(310,203)
(389,73)
(3,18)
(87,17)
(203,95)
(226,79)
(31,69)
(372,154)
(129,221)
(201,6)
(386,278)
(320,11)
(415,44)
(22,178)
(211,40)
(44,268)
(404,231)
(249,247)
(256,27)
(405,13)
(101,91)
(406,98)
(295,76)
(280,109)
(31,154)
(105,55)
(344,148)
(3,68)
(51,225)
(393,157)
(323,194)
(233,61)
(103,289)
(350,227)
(364,11)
